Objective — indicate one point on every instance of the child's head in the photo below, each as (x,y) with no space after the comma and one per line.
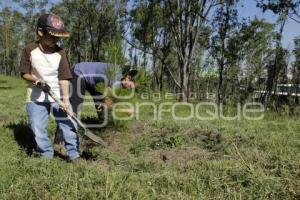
(128,82)
(50,28)
(128,79)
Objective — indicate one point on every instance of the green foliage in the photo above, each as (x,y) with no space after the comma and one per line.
(10,40)
(113,72)
(279,6)
(96,29)
(257,37)
(114,52)
(162,32)
(143,81)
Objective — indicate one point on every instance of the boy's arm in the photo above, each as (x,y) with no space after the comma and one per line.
(29,77)
(25,66)
(65,84)
(64,75)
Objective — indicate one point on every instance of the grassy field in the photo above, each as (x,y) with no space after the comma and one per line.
(152,159)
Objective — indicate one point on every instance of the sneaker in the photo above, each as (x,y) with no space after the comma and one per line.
(74,160)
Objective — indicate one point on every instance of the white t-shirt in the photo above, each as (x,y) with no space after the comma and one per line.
(48,66)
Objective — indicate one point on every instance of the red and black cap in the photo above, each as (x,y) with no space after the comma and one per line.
(53,24)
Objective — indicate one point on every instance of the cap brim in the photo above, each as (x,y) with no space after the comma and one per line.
(58,33)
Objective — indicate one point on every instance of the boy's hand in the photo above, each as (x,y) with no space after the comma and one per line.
(66,106)
(108,102)
(38,81)
(130,112)
(43,85)
(99,108)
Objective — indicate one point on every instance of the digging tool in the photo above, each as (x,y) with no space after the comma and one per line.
(46,88)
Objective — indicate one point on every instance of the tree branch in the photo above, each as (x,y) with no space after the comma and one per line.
(137,47)
(176,32)
(296,20)
(172,76)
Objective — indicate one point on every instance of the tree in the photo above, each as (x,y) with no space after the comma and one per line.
(257,37)
(150,34)
(296,68)
(223,48)
(284,9)
(32,10)
(187,19)
(281,7)
(93,25)
(10,40)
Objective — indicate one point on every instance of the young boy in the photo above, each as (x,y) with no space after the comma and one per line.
(44,61)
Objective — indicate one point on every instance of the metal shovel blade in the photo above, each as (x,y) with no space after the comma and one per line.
(95,138)
(89,134)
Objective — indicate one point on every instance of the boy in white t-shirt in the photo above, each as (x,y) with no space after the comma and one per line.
(44,61)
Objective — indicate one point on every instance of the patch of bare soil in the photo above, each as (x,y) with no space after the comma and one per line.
(212,135)
(140,128)
(199,144)
(178,156)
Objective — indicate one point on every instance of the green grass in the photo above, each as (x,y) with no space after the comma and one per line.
(151,159)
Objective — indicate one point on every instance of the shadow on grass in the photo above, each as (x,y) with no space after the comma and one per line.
(86,144)
(88,120)
(23,136)
(25,139)
(111,125)
(91,121)
(5,88)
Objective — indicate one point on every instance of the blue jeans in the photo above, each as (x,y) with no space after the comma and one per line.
(38,113)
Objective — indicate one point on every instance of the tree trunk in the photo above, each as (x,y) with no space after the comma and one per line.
(92,52)
(78,42)
(154,85)
(220,83)
(184,78)
(144,59)
(161,77)
(297,89)
(273,76)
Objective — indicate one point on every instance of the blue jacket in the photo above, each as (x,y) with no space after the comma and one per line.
(95,72)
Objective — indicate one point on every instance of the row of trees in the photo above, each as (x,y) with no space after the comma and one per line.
(188,46)
(185,38)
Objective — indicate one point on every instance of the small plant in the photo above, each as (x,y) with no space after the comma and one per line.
(168,143)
